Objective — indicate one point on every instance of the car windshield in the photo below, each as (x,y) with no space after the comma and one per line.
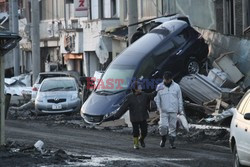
(43,77)
(58,85)
(115,79)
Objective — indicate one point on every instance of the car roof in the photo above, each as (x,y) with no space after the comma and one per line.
(56,72)
(136,52)
(60,78)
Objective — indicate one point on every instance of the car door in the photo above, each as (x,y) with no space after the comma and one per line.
(182,44)
(148,72)
(244,128)
(238,128)
(164,57)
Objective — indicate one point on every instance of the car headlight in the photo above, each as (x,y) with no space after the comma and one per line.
(111,113)
(74,96)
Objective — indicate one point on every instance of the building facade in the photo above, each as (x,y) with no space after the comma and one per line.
(71,31)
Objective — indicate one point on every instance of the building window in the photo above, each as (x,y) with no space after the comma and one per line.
(69,1)
(113,8)
(51,9)
(102,9)
(148,8)
(126,9)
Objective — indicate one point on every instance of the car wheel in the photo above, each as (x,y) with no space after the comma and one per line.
(236,158)
(193,67)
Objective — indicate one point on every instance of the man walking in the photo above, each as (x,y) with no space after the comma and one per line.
(137,104)
(169,104)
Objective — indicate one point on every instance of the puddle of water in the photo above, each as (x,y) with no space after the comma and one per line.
(101,161)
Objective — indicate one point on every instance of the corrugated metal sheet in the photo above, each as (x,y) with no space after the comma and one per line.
(199,88)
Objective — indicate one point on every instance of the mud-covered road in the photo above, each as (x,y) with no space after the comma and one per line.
(109,148)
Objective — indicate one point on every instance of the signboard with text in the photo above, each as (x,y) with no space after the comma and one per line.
(81,8)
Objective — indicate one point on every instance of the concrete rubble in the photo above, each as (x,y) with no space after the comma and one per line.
(28,155)
(18,86)
(217,93)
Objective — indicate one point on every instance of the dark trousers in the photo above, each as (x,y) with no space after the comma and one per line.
(140,126)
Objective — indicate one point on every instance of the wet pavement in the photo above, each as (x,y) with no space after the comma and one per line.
(112,147)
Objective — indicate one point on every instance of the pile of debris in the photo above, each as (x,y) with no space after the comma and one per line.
(19,86)
(14,154)
(216,94)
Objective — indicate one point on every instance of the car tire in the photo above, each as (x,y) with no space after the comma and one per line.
(236,158)
(193,66)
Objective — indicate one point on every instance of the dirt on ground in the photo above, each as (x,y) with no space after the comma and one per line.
(24,152)
(17,154)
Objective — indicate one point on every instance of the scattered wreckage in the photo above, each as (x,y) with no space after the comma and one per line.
(174,45)
(16,153)
(217,93)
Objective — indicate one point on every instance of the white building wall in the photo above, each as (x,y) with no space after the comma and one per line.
(117,48)
(48,29)
(93,63)
(92,32)
(91,35)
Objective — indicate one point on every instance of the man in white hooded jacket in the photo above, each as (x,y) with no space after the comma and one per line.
(169,103)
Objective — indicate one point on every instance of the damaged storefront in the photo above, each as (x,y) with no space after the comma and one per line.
(71,48)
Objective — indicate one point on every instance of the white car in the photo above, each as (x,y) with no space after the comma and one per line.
(45,75)
(58,95)
(240,132)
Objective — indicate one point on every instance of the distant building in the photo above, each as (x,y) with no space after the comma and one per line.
(86,36)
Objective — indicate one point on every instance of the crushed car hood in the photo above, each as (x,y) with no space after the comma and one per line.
(98,104)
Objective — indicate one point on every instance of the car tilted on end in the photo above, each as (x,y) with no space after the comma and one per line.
(172,46)
(58,95)
(240,132)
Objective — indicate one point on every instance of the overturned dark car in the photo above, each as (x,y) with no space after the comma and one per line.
(173,45)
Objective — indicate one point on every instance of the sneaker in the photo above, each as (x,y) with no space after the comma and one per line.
(172,147)
(142,142)
(163,141)
(136,143)
(136,146)
(171,141)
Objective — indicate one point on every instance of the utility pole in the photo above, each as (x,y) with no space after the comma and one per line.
(15,29)
(244,15)
(132,17)
(8,41)
(35,37)
(65,16)
(2,101)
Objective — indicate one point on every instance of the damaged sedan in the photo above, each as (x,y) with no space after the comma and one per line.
(58,95)
(174,46)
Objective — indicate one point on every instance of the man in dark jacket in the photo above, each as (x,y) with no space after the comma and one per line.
(137,104)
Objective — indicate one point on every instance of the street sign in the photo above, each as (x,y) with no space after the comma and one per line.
(81,8)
